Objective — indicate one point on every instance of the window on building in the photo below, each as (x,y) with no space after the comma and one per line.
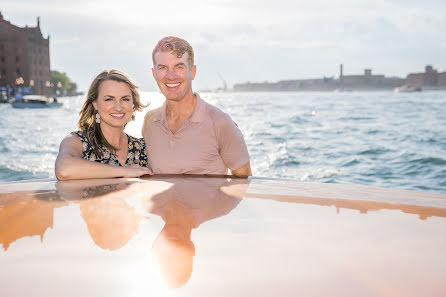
(17,58)
(18,71)
(3,72)
(2,58)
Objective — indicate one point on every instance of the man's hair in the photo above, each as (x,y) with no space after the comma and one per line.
(176,46)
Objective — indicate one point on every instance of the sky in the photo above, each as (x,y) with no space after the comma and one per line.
(239,40)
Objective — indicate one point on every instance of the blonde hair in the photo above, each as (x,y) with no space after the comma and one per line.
(87,122)
(175,45)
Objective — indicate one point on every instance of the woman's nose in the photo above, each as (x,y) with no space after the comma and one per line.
(118,105)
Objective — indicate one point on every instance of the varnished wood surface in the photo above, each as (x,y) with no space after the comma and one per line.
(219,236)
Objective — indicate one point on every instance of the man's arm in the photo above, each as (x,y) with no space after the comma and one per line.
(232,146)
(244,171)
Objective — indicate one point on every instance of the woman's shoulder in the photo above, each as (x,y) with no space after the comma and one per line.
(80,134)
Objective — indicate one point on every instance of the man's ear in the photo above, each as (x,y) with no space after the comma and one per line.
(194,71)
(153,72)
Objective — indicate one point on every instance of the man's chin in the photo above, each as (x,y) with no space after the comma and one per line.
(172,97)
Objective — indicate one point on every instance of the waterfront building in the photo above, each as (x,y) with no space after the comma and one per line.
(24,58)
(370,81)
(429,78)
(442,79)
(366,81)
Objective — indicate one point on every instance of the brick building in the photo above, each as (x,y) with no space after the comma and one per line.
(429,78)
(24,58)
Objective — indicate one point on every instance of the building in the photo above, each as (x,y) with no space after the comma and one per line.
(366,81)
(430,78)
(24,58)
(369,81)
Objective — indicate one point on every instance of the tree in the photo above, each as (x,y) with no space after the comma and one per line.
(61,84)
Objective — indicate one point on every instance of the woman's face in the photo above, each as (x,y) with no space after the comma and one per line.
(114,103)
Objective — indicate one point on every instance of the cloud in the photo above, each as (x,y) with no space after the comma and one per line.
(243,40)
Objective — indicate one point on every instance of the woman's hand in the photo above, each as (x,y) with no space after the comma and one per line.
(136,171)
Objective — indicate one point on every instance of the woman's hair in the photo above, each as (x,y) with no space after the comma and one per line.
(87,122)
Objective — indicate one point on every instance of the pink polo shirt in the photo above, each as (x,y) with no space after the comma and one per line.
(209,142)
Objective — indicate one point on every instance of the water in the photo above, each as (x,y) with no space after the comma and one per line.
(371,138)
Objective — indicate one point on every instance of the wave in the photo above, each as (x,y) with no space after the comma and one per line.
(8,174)
(429,161)
(373,152)
(298,120)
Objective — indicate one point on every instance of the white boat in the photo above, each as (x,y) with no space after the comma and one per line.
(36,101)
(219,236)
(407,89)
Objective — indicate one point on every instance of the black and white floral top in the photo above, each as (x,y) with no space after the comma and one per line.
(136,152)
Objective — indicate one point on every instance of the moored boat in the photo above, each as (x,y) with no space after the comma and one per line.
(36,101)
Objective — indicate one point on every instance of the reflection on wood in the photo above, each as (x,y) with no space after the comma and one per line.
(363,206)
(25,214)
(185,205)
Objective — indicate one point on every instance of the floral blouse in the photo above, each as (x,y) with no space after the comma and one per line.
(136,152)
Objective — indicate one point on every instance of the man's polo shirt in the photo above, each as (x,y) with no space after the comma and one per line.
(209,142)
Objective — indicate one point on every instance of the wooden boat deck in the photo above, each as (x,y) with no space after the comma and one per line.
(219,236)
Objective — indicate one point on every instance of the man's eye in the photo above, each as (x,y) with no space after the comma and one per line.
(126,99)
(108,99)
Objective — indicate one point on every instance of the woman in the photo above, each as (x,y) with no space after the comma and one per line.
(111,102)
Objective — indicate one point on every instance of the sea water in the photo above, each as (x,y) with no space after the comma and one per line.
(384,139)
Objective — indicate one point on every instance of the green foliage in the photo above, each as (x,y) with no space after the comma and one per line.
(62,84)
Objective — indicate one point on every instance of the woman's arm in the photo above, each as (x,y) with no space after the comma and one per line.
(71,165)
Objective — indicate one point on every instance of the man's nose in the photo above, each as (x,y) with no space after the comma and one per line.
(170,74)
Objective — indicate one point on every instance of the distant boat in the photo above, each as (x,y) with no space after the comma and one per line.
(407,89)
(341,90)
(36,101)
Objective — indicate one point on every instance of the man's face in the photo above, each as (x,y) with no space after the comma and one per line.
(173,75)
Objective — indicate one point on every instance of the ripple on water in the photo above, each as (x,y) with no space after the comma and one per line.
(429,161)
(298,120)
(278,139)
(8,174)
(285,162)
(351,163)
(277,126)
(374,152)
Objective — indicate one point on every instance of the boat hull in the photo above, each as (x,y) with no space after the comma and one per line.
(18,104)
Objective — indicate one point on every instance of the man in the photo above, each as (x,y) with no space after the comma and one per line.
(187,135)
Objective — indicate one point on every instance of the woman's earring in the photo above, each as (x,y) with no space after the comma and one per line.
(98,117)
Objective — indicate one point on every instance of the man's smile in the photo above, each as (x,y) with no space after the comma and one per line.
(172,85)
